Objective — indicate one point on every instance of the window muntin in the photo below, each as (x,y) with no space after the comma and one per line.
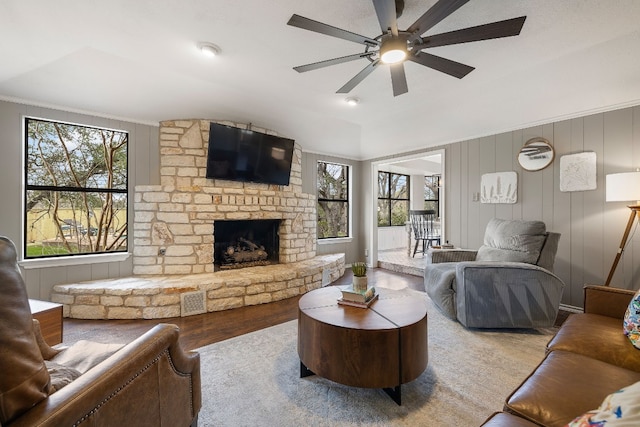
(432,193)
(393,199)
(333,200)
(76,196)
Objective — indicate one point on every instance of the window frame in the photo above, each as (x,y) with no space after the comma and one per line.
(392,199)
(67,259)
(437,178)
(349,235)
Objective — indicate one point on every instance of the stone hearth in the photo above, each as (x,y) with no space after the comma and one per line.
(155,297)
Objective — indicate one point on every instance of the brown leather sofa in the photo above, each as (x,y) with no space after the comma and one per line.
(149,382)
(588,359)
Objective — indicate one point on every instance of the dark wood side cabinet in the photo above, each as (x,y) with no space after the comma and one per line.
(49,314)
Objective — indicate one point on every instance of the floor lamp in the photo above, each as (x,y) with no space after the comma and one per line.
(623,187)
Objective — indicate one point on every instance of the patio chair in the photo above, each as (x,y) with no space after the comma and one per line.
(423,229)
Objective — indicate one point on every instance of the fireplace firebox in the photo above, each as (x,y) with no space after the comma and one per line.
(245,243)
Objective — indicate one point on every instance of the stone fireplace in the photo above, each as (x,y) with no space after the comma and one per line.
(176,227)
(174,221)
(245,243)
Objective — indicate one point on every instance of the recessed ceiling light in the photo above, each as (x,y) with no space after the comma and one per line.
(352,100)
(209,49)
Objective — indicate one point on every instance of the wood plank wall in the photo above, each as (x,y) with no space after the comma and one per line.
(591,228)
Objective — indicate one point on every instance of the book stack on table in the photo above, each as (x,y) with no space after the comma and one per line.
(354,298)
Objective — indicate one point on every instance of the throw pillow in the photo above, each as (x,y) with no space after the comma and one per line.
(619,409)
(45,349)
(631,322)
(60,375)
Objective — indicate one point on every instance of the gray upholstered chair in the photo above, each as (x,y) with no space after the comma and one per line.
(507,283)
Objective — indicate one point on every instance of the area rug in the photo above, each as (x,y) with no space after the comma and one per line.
(254,380)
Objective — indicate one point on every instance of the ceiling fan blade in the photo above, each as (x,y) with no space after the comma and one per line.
(398,79)
(358,77)
(386,11)
(435,14)
(319,27)
(444,65)
(495,30)
(328,62)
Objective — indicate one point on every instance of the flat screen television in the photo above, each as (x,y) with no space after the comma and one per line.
(243,155)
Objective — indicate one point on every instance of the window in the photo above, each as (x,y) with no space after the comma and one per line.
(333,200)
(432,193)
(75,189)
(393,199)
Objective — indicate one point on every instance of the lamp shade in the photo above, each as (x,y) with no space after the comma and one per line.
(623,187)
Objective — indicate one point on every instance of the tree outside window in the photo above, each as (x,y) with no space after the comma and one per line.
(76,189)
(393,199)
(432,193)
(333,200)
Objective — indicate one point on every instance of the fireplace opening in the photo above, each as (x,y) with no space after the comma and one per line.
(245,243)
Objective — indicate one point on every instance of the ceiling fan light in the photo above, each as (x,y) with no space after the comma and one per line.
(209,49)
(393,56)
(393,50)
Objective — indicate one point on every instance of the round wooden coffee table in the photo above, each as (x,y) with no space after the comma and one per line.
(383,346)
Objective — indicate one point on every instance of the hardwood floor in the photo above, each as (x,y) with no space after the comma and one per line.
(199,330)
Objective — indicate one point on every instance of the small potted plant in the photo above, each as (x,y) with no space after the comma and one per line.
(359,276)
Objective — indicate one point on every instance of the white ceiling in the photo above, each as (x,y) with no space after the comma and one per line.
(137,60)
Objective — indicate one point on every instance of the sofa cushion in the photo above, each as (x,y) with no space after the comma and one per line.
(619,409)
(631,321)
(512,241)
(566,385)
(585,334)
(24,380)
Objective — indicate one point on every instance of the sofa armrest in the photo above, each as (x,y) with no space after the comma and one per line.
(437,256)
(607,301)
(149,382)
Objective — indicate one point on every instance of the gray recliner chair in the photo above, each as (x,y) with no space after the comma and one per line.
(507,283)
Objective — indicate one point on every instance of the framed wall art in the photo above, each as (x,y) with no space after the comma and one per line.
(578,172)
(500,187)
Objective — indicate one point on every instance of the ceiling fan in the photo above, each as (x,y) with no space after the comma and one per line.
(394,47)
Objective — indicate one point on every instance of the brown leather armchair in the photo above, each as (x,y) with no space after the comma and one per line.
(149,382)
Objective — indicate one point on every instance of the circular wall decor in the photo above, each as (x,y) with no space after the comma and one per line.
(536,154)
